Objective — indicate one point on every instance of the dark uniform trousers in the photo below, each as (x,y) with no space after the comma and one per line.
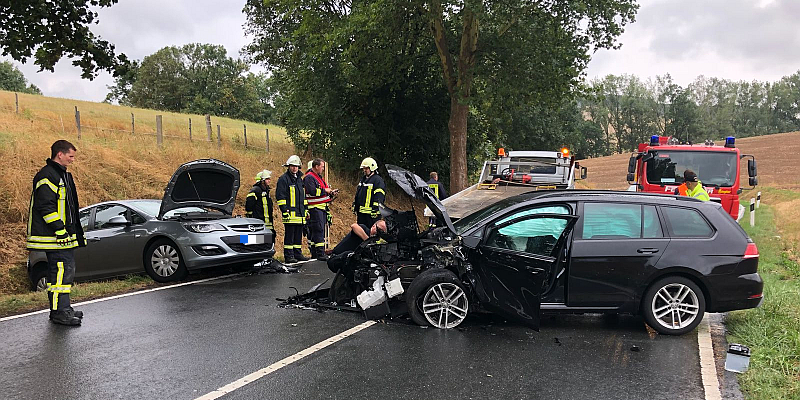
(292,241)
(318,219)
(60,274)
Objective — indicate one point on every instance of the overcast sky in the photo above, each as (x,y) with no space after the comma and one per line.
(733,39)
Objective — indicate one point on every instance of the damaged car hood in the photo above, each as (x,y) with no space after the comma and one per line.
(207,183)
(417,188)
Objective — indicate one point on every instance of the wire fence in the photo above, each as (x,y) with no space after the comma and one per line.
(138,127)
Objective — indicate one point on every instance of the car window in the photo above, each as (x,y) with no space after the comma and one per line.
(611,221)
(533,236)
(84,217)
(105,212)
(555,209)
(137,219)
(651,226)
(685,222)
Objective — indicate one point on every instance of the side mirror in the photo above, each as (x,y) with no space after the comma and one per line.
(630,177)
(118,220)
(632,166)
(752,172)
(583,172)
(753,181)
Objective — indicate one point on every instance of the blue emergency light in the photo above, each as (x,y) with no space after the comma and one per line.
(654,140)
(730,141)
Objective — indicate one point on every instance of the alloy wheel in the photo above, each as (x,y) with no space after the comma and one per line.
(675,306)
(445,305)
(165,260)
(41,284)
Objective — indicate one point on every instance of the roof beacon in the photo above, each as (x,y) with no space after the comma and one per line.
(730,141)
(654,140)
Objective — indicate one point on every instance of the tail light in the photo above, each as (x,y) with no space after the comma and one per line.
(751,251)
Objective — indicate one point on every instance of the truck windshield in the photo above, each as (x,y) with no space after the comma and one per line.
(547,166)
(713,168)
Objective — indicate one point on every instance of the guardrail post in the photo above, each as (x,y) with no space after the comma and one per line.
(16,101)
(159,132)
(758,200)
(752,212)
(219,138)
(78,121)
(133,125)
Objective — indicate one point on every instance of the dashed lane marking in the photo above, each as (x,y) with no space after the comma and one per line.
(122,295)
(708,368)
(282,363)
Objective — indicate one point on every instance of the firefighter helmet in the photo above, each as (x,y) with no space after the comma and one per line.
(293,160)
(309,164)
(370,163)
(265,174)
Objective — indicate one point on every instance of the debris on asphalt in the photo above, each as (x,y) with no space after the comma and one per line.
(556,341)
(636,348)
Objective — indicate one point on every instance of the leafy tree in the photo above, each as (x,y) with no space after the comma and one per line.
(120,91)
(12,79)
(48,30)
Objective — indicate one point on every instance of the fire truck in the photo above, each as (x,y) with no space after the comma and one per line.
(658,166)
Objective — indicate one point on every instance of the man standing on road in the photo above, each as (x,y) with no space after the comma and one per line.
(370,192)
(692,187)
(291,199)
(319,195)
(54,227)
(259,204)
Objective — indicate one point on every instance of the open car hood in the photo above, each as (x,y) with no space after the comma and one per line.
(417,188)
(207,183)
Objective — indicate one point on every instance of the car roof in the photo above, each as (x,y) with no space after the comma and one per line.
(132,203)
(612,195)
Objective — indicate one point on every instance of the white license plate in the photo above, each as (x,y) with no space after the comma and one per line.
(251,239)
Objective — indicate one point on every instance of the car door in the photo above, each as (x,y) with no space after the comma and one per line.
(518,258)
(615,248)
(83,268)
(112,246)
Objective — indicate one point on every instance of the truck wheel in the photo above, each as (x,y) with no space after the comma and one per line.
(437,297)
(163,261)
(673,305)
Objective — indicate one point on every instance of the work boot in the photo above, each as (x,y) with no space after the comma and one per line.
(290,260)
(64,318)
(76,314)
(319,254)
(301,257)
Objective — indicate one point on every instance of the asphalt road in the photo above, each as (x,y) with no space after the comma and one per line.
(184,342)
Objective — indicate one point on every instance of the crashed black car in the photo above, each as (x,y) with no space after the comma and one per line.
(668,258)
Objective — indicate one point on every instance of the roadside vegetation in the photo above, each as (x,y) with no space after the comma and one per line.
(773,331)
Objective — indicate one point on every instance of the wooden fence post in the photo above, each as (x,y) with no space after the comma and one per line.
(219,138)
(190,129)
(16,101)
(159,132)
(78,121)
(245,135)
(267,135)
(208,126)
(133,125)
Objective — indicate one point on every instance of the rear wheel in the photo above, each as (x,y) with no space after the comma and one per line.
(674,305)
(163,261)
(437,297)
(39,277)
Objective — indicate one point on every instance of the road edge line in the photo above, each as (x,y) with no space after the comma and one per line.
(252,377)
(118,296)
(708,369)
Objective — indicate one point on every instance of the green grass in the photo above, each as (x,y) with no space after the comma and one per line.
(772,331)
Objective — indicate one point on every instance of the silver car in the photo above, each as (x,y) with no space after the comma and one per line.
(189,229)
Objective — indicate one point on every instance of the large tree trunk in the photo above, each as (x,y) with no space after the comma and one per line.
(458,144)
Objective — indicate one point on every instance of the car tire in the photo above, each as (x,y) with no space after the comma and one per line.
(163,261)
(437,298)
(673,305)
(39,277)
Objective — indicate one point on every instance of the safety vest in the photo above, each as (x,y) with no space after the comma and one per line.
(259,205)
(698,193)
(318,198)
(53,210)
(370,192)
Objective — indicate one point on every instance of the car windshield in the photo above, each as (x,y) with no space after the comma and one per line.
(151,208)
(547,166)
(713,168)
(468,221)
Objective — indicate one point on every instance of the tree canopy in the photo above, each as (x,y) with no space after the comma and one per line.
(12,79)
(49,30)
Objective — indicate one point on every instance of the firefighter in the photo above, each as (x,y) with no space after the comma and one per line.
(319,195)
(54,227)
(291,199)
(692,187)
(436,187)
(370,192)
(259,204)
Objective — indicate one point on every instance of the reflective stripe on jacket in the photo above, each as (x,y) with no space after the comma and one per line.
(315,190)
(370,192)
(259,205)
(698,193)
(53,210)
(291,198)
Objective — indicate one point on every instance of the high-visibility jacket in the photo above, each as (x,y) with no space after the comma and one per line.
(259,205)
(291,198)
(315,191)
(438,189)
(370,192)
(698,193)
(54,210)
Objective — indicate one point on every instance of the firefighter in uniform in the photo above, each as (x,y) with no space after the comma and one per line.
(259,204)
(436,187)
(54,227)
(370,192)
(692,187)
(291,198)
(318,194)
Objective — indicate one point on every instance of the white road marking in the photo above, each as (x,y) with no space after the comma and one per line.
(121,296)
(708,368)
(282,363)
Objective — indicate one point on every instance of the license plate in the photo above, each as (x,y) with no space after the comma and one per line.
(251,239)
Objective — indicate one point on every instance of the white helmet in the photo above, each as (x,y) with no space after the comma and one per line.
(370,163)
(309,163)
(265,174)
(293,160)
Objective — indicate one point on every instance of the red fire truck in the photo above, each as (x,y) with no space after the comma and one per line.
(657,167)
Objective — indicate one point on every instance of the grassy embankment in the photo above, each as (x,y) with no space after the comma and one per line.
(773,331)
(113,164)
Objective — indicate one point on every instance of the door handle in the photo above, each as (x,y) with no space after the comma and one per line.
(137,235)
(647,250)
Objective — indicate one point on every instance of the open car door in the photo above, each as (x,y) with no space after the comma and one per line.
(518,259)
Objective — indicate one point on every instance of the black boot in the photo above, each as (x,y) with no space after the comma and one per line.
(300,257)
(319,254)
(76,314)
(64,318)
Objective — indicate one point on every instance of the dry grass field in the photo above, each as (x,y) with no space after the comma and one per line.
(117,165)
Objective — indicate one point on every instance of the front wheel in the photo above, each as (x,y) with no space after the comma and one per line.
(673,305)
(163,262)
(437,297)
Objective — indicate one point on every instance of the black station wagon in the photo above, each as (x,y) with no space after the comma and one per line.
(667,258)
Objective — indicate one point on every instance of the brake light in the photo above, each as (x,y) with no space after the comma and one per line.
(751,251)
